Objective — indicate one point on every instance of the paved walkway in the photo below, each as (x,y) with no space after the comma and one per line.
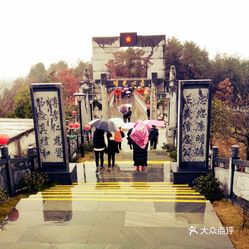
(121,209)
(118,209)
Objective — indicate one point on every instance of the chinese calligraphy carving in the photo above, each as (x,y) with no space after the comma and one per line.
(49,126)
(194,124)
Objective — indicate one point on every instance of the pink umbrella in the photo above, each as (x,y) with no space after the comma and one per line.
(154,122)
(140,134)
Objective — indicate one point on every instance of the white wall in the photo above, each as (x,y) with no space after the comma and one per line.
(19,147)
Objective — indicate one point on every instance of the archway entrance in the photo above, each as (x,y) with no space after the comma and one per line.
(153,47)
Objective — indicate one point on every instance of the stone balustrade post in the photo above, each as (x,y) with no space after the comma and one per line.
(234,155)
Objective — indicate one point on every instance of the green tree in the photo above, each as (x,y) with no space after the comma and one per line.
(242,86)
(173,54)
(22,103)
(226,67)
(7,107)
(239,121)
(79,70)
(128,63)
(195,62)
(220,127)
(38,73)
(57,66)
(190,60)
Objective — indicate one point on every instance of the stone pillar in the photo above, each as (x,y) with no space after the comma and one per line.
(104,96)
(153,96)
(235,151)
(83,108)
(10,185)
(194,114)
(172,112)
(88,108)
(231,169)
(5,152)
(50,132)
(214,155)
(31,156)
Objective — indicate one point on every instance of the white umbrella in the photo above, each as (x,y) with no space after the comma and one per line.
(126,105)
(117,121)
(128,125)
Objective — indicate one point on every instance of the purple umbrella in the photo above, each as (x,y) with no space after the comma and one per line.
(123,109)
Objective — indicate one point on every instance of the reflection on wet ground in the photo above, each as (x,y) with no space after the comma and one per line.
(118,209)
(121,209)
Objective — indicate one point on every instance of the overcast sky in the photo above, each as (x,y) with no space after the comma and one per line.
(47,31)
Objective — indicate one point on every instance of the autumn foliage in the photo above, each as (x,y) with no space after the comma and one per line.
(224,91)
(16,101)
(70,84)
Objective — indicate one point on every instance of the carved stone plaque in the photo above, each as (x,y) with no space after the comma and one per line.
(193,123)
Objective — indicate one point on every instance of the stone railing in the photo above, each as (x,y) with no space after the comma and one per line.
(232,172)
(13,170)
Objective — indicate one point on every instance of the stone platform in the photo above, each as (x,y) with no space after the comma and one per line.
(118,209)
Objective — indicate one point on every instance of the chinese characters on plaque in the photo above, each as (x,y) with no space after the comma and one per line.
(194,124)
(49,126)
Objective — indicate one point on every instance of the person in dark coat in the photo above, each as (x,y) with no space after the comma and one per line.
(99,148)
(130,141)
(125,117)
(140,156)
(112,149)
(148,112)
(128,114)
(153,137)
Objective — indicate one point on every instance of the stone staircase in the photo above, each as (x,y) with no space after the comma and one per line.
(122,192)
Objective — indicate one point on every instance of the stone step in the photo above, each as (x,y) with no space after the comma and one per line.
(121,191)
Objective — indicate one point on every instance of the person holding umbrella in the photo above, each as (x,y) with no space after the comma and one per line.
(140,137)
(99,145)
(99,148)
(112,149)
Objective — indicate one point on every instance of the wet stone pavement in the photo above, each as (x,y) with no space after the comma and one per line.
(116,210)
(121,209)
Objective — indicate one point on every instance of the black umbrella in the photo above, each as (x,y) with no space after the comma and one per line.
(105,125)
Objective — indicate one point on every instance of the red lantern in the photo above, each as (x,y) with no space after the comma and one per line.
(87,127)
(14,215)
(71,125)
(76,125)
(74,113)
(4,139)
